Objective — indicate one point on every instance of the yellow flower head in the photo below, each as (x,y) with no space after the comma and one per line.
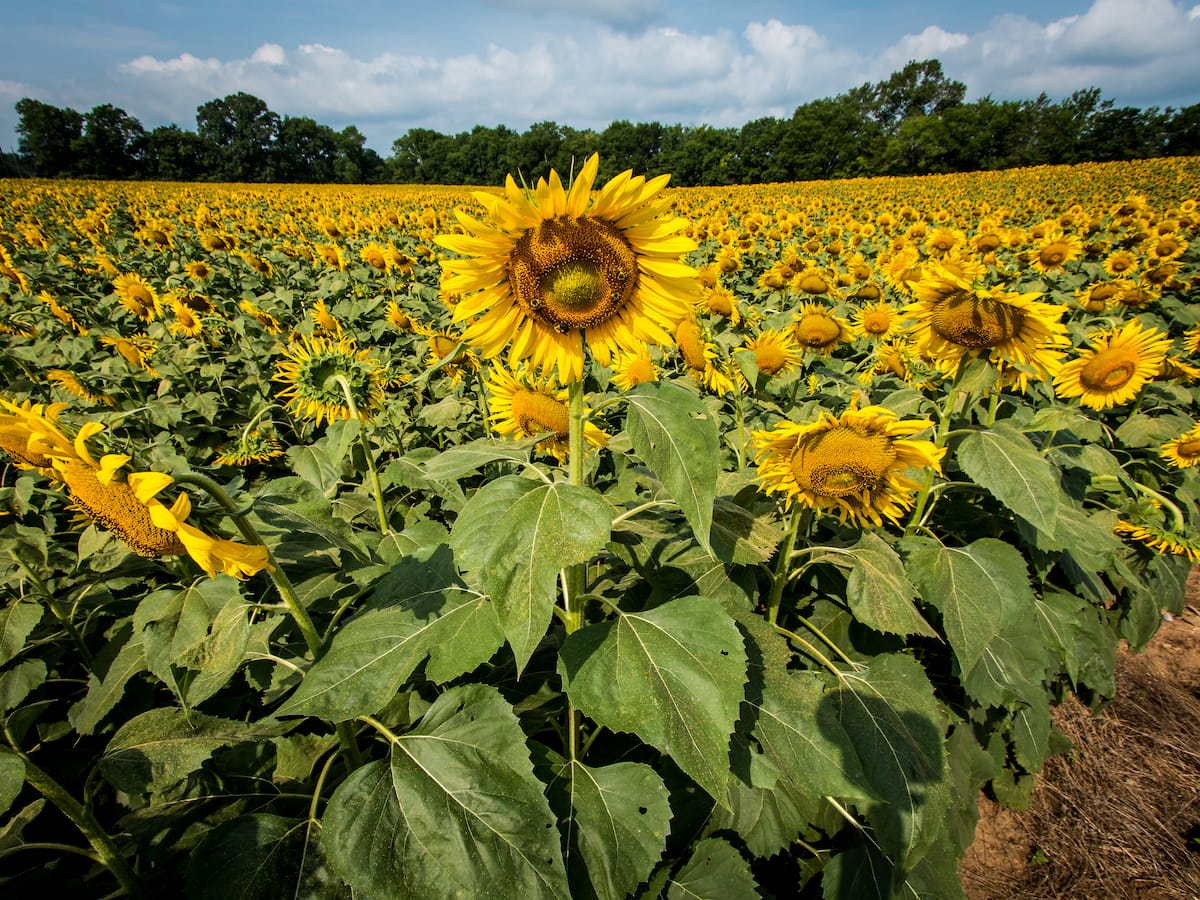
(852,464)
(1183,452)
(556,270)
(1116,368)
(314,370)
(521,406)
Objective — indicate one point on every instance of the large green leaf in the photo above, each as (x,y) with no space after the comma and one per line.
(895,723)
(104,692)
(672,675)
(419,610)
(260,857)
(617,820)
(17,620)
(12,778)
(515,535)
(18,682)
(677,437)
(456,810)
(452,464)
(878,590)
(980,589)
(1005,462)
(715,871)
(154,750)
(303,515)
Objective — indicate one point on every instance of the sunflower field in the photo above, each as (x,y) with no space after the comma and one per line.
(568,539)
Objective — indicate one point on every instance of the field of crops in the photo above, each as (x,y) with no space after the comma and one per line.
(555,542)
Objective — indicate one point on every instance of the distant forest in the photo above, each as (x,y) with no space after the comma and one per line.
(914,122)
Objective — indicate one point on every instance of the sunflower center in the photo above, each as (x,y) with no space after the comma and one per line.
(813,284)
(1053,255)
(876,322)
(537,413)
(140,295)
(817,331)
(769,358)
(1188,449)
(976,322)
(691,344)
(1107,371)
(842,461)
(115,506)
(573,274)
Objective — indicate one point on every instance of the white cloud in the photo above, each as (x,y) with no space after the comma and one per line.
(589,76)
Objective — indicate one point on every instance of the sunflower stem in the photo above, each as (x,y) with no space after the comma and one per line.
(779,579)
(287,592)
(376,488)
(939,441)
(574,576)
(1175,511)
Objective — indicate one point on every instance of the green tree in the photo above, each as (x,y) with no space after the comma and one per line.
(46,137)
(305,151)
(170,153)
(240,132)
(356,163)
(420,157)
(111,144)
(759,146)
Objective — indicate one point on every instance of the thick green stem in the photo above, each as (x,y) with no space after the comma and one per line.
(939,441)
(376,488)
(312,638)
(574,578)
(779,578)
(102,843)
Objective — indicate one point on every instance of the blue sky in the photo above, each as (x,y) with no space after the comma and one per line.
(450,64)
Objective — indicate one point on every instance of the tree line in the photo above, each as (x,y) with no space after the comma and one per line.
(914,122)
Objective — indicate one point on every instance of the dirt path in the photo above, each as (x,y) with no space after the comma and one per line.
(1119,817)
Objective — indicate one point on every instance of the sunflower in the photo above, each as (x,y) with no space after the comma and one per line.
(1176,368)
(550,274)
(817,328)
(1161,539)
(522,406)
(1183,452)
(1135,294)
(1116,368)
(1166,247)
(137,296)
(135,350)
(198,270)
(446,352)
(324,319)
(876,321)
(312,389)
(955,319)
(30,435)
(1120,263)
(700,357)
(252,446)
(186,321)
(632,369)
(376,256)
(1191,341)
(719,301)
(61,314)
(1095,298)
(397,317)
(853,464)
(775,351)
(264,318)
(1055,250)
(70,383)
(815,282)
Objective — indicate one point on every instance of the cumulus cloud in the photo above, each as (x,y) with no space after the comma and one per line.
(593,75)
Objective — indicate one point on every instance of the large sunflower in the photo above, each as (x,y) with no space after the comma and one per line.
(550,273)
(1184,451)
(853,464)
(521,406)
(954,318)
(1116,368)
(313,390)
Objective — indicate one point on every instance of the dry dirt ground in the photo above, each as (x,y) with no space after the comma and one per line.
(1117,818)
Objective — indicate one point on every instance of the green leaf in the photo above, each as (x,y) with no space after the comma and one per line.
(17,620)
(19,681)
(739,536)
(298,509)
(12,778)
(313,465)
(103,693)
(154,750)
(452,464)
(895,724)
(515,535)
(715,871)
(672,675)
(11,832)
(878,590)
(677,437)
(859,873)
(419,610)
(980,589)
(456,811)
(260,857)
(1012,667)
(1005,462)
(766,819)
(618,818)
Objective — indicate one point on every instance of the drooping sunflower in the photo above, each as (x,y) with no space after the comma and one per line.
(1161,539)
(251,447)
(817,328)
(325,321)
(136,351)
(632,369)
(775,351)
(313,390)
(137,296)
(852,464)
(954,319)
(1183,452)
(397,317)
(260,315)
(1117,366)
(699,356)
(60,313)
(524,406)
(550,274)
(71,383)
(447,353)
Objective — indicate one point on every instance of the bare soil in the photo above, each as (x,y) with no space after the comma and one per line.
(1117,818)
